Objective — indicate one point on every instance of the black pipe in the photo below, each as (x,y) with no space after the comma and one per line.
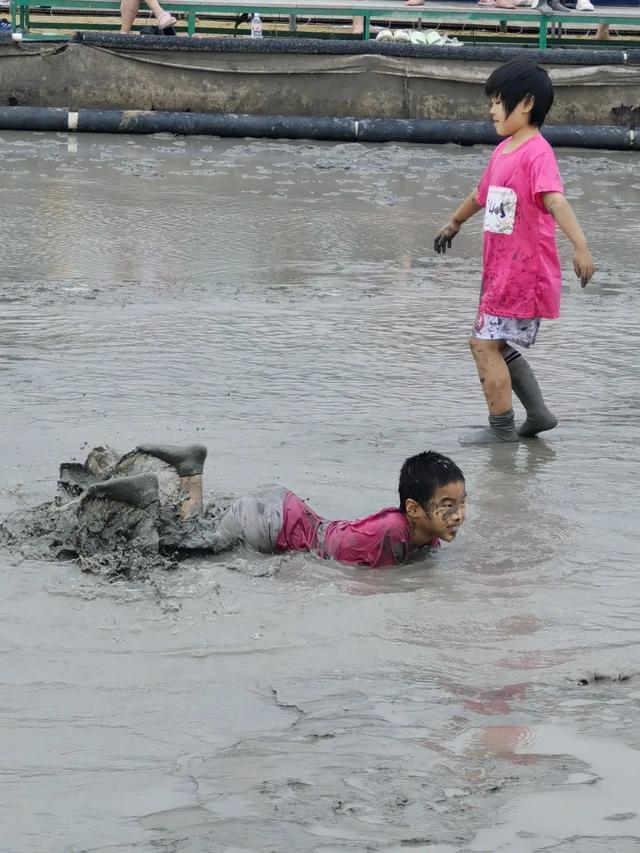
(427,130)
(424,131)
(483,133)
(343,47)
(216,124)
(34,118)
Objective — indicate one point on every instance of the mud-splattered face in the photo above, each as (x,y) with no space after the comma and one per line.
(441,518)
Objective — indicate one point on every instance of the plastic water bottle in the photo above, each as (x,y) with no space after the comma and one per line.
(256,26)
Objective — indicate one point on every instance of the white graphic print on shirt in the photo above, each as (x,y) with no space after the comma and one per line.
(500,210)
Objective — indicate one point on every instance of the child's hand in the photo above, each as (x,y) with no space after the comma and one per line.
(583,265)
(445,236)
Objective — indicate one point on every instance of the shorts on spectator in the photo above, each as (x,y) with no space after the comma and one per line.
(515,330)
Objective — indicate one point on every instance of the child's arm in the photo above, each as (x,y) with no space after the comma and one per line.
(558,206)
(445,235)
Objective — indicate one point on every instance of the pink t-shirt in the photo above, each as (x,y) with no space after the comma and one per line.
(378,540)
(521,272)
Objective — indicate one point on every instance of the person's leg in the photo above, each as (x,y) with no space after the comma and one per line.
(117,514)
(602,32)
(527,390)
(254,520)
(496,385)
(189,464)
(357,27)
(493,374)
(140,490)
(128,12)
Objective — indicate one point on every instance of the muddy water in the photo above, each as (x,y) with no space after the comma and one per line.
(281,303)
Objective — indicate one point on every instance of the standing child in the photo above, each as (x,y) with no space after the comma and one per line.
(522,194)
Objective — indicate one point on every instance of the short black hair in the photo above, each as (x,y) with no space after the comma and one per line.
(422,475)
(516,80)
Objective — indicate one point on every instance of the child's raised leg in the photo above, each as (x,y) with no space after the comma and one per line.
(527,390)
(496,385)
(189,463)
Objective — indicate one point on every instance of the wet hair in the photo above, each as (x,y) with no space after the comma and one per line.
(519,79)
(422,475)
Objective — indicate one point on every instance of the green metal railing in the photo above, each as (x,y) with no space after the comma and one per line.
(20,14)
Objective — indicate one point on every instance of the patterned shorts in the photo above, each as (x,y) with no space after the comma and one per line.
(489,327)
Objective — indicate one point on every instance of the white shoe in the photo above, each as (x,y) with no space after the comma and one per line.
(384,35)
(585,6)
(401,35)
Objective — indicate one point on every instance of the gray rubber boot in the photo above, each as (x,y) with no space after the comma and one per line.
(188,460)
(502,430)
(141,490)
(525,387)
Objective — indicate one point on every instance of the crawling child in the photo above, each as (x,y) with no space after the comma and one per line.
(151,499)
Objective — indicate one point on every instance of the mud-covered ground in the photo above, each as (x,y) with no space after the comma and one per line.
(281,303)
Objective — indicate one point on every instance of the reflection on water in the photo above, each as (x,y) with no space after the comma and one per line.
(281,303)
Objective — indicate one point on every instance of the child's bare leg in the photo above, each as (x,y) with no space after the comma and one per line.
(496,385)
(128,13)
(189,463)
(493,374)
(527,390)
(192,487)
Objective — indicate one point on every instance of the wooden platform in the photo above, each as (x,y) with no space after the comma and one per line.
(443,13)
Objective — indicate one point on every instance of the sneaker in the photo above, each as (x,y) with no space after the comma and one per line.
(5,26)
(585,6)
(384,35)
(401,35)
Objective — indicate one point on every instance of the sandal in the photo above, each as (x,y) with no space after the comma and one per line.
(166,20)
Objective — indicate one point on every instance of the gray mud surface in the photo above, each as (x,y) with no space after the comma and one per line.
(281,303)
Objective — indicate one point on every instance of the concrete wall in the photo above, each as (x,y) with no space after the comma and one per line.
(77,75)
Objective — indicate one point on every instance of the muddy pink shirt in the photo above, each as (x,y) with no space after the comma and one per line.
(521,271)
(378,540)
